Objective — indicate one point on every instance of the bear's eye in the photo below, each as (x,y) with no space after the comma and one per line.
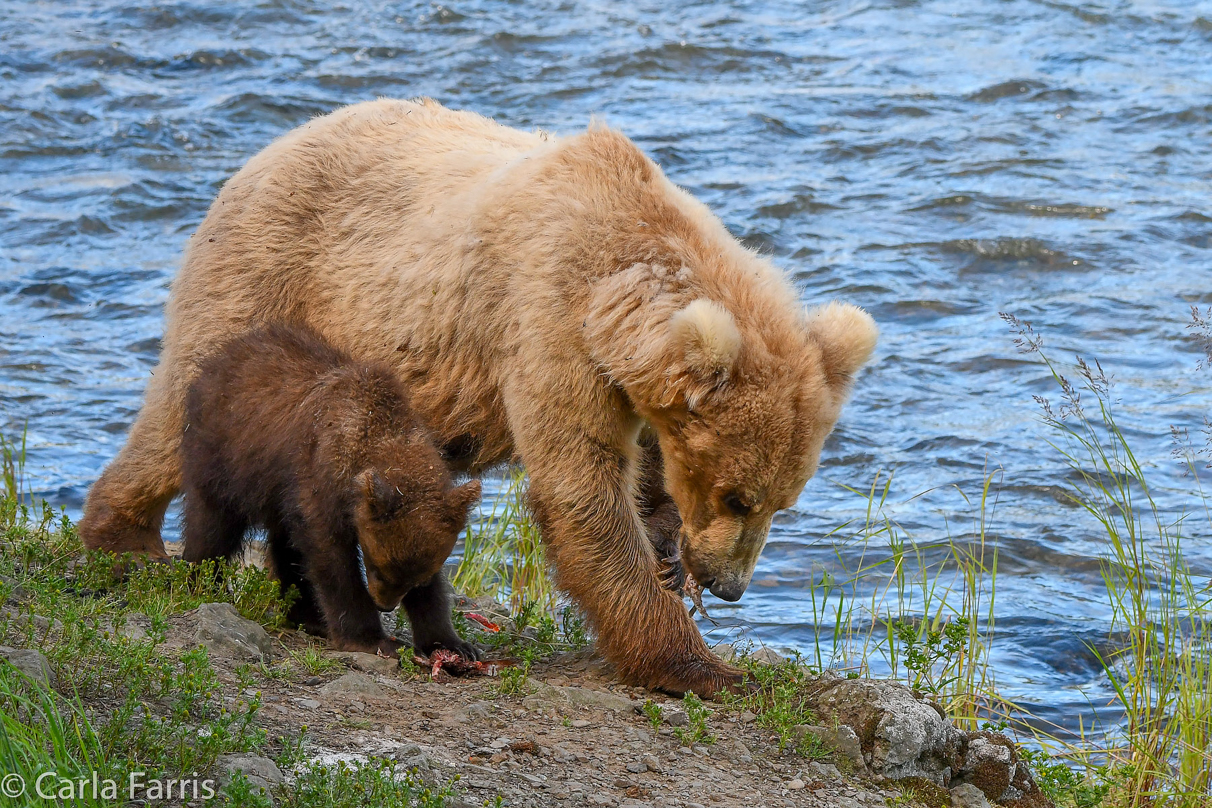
(736,505)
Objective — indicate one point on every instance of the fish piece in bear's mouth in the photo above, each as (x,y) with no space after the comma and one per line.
(676,578)
(692,590)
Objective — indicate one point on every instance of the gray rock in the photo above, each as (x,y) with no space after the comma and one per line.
(901,735)
(767,656)
(842,740)
(725,651)
(991,765)
(652,763)
(474,713)
(225,633)
(967,795)
(135,627)
(369,663)
(355,684)
(30,662)
(637,767)
(675,718)
(260,771)
(15,590)
(826,770)
(584,697)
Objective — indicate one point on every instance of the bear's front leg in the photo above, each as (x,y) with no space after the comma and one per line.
(351,618)
(581,497)
(428,608)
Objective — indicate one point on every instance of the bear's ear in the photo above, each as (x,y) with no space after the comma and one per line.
(460,500)
(709,340)
(382,499)
(846,336)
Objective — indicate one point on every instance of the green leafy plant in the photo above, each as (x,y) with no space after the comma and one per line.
(653,711)
(380,783)
(696,731)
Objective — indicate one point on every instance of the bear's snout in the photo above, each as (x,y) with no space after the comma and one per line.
(729,589)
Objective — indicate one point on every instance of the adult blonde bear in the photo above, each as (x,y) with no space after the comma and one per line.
(543,299)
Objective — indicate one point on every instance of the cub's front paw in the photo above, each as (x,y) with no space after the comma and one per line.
(454,644)
(389,647)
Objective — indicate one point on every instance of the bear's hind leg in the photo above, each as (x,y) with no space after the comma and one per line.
(126,505)
(428,608)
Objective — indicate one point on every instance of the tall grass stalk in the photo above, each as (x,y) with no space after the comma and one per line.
(12,469)
(1161,674)
(503,553)
(920,611)
(42,732)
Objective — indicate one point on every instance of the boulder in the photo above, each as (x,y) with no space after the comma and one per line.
(900,734)
(991,764)
(967,795)
(355,684)
(30,662)
(841,739)
(370,663)
(259,771)
(226,634)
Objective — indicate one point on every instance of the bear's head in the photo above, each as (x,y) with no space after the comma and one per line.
(741,407)
(407,526)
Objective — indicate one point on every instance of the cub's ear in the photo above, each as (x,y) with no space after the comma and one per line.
(708,337)
(846,336)
(460,501)
(382,499)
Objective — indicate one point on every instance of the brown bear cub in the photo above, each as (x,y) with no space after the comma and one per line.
(286,433)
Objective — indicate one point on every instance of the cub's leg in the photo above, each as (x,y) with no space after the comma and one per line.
(211,530)
(351,617)
(286,564)
(662,521)
(428,608)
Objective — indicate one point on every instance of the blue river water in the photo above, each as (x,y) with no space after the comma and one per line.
(935,161)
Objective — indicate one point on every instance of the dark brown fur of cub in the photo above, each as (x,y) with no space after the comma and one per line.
(287,433)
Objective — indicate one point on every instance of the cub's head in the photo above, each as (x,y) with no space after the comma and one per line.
(407,526)
(741,410)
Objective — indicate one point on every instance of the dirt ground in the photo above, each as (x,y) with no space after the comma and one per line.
(573,737)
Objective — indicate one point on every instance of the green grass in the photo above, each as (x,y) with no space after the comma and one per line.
(377,783)
(1161,668)
(503,554)
(696,731)
(123,702)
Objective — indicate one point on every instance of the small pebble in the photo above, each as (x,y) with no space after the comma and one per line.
(580,723)
(313,681)
(796,784)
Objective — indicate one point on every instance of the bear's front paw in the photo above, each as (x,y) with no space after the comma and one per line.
(711,680)
(389,647)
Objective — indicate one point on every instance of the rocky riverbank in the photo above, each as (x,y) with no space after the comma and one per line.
(555,730)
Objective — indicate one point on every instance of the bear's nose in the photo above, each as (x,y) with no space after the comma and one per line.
(730,591)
